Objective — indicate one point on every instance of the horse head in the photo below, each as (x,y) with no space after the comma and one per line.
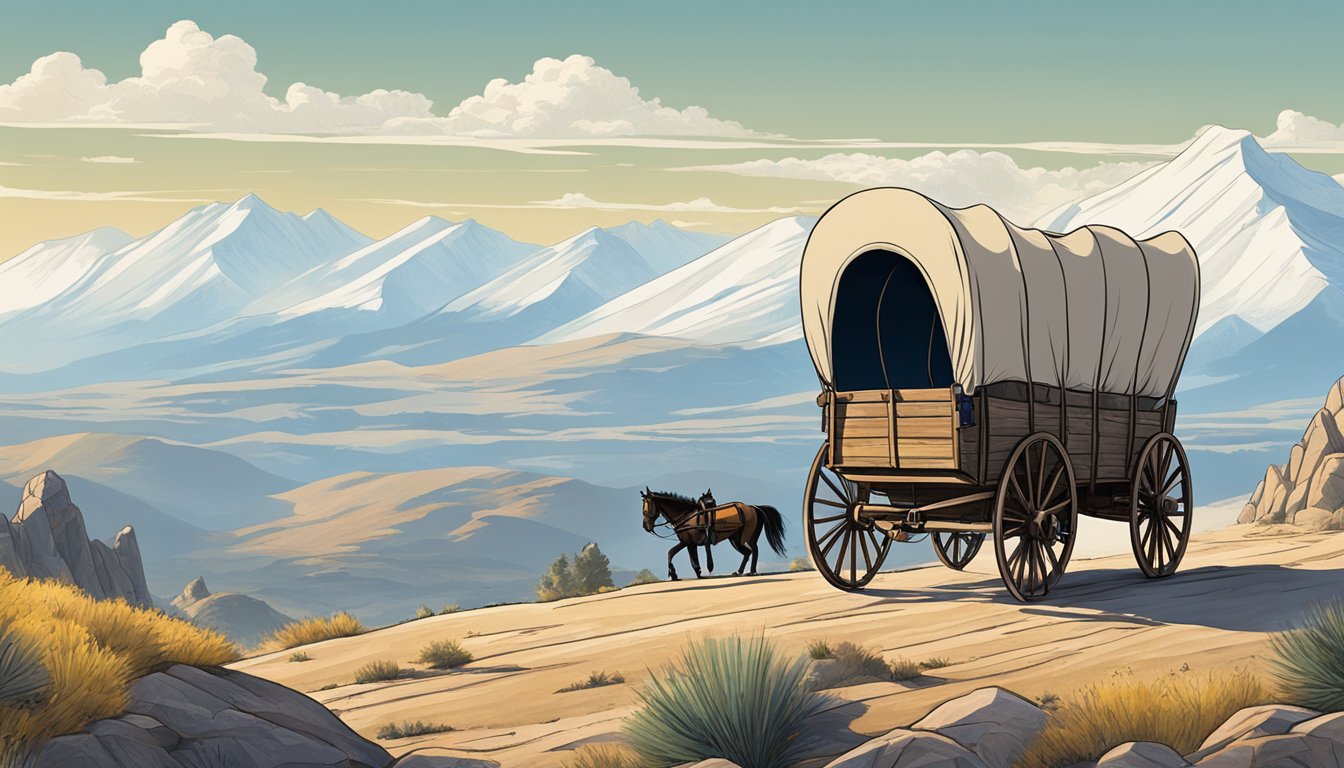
(650,509)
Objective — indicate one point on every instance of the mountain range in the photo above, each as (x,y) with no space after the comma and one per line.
(209,378)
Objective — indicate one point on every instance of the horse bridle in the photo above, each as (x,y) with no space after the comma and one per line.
(673,530)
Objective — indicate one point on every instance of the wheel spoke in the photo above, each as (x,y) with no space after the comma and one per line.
(1021,497)
(844,545)
(1054,560)
(1060,507)
(830,503)
(1054,486)
(1180,534)
(837,490)
(867,559)
(831,519)
(1040,475)
(1177,476)
(825,550)
(854,557)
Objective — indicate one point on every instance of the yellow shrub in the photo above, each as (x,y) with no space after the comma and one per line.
(92,650)
(603,756)
(315,629)
(1179,710)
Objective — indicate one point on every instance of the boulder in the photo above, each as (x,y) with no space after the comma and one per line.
(47,540)
(713,762)
(245,619)
(1293,473)
(1252,722)
(1247,513)
(1327,488)
(1329,727)
(446,761)
(188,717)
(1288,750)
(1334,399)
(1309,489)
(904,748)
(993,723)
(1142,754)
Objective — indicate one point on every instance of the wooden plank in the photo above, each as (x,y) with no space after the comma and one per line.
(939,395)
(852,445)
(913,451)
(904,410)
(925,427)
(865,428)
(876,410)
(891,435)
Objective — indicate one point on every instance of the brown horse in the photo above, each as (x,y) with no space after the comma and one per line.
(737,523)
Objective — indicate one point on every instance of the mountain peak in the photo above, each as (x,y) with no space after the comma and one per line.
(1217,138)
(250,202)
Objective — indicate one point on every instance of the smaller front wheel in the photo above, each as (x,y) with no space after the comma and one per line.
(1035,517)
(956,549)
(1161,503)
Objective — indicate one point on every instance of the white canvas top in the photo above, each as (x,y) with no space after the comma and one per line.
(1088,310)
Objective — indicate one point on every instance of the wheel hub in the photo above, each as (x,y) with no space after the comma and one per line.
(1043,527)
(1168,505)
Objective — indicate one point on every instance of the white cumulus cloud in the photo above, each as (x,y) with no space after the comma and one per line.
(960,178)
(1295,129)
(569,98)
(192,78)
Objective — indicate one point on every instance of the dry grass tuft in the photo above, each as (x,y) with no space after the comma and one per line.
(820,649)
(595,680)
(315,629)
(91,650)
(904,669)
(409,728)
(444,654)
(378,671)
(1179,710)
(603,756)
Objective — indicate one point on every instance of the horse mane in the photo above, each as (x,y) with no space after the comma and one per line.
(675,497)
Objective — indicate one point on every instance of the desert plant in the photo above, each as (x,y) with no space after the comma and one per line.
(592,571)
(1048,701)
(450,608)
(904,669)
(800,564)
(603,756)
(409,728)
(1306,660)
(820,649)
(424,612)
(733,698)
(1177,710)
(89,653)
(645,576)
(315,629)
(850,664)
(937,662)
(444,654)
(300,656)
(378,671)
(595,680)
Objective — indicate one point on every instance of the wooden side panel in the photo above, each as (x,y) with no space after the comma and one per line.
(895,429)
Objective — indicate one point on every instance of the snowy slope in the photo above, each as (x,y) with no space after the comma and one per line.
(744,291)
(664,246)
(201,269)
(45,270)
(1270,233)
(405,275)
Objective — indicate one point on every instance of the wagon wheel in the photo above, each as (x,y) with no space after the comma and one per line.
(956,549)
(1035,516)
(848,552)
(1160,506)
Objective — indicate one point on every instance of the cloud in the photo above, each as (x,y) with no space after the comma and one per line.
(1295,129)
(109,159)
(578,201)
(569,98)
(137,197)
(961,178)
(191,78)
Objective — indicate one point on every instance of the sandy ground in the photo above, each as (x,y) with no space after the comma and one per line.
(1236,586)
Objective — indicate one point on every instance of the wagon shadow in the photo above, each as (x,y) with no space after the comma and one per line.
(1249,598)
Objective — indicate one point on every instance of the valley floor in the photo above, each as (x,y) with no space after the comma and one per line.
(1236,587)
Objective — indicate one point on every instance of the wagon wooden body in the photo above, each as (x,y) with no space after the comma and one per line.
(979,379)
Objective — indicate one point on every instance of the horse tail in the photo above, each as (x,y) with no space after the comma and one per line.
(773,523)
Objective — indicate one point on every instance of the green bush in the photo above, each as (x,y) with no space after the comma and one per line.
(588,574)
(378,671)
(903,669)
(731,698)
(300,656)
(820,649)
(424,612)
(450,608)
(1309,660)
(800,564)
(444,654)
(645,576)
(411,728)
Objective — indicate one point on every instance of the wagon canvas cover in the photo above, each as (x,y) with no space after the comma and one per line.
(1089,310)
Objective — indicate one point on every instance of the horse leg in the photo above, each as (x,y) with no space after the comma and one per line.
(709,554)
(746,553)
(695,560)
(671,569)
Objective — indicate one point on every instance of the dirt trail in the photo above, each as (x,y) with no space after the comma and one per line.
(1236,587)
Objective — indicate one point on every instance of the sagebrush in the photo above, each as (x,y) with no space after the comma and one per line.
(315,629)
(594,680)
(739,699)
(378,671)
(1309,661)
(604,756)
(444,654)
(409,728)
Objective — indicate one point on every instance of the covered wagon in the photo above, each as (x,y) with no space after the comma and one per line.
(981,379)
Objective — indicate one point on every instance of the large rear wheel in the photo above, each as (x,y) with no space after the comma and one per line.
(1035,517)
(1161,504)
(846,550)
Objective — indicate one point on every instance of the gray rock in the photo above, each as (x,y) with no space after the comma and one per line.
(1142,754)
(46,500)
(1329,726)
(993,723)
(127,549)
(1288,750)
(1248,723)
(903,748)
(713,762)
(80,749)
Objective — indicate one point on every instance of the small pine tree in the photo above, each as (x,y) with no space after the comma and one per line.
(592,571)
(558,581)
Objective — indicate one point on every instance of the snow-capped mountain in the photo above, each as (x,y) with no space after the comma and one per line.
(203,268)
(743,292)
(405,275)
(45,270)
(664,246)
(1269,233)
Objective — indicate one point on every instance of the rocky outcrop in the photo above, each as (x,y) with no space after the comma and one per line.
(47,540)
(993,723)
(246,620)
(188,717)
(1309,489)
